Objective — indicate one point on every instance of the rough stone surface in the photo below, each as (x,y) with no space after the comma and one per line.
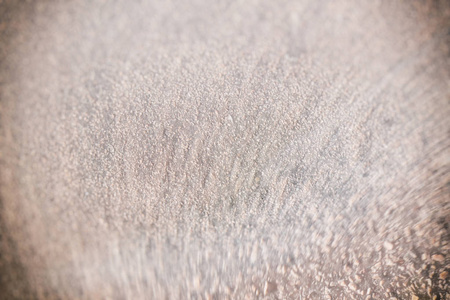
(224,149)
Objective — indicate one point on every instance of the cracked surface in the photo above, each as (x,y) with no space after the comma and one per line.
(229,150)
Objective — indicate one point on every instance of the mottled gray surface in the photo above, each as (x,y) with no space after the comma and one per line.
(225,150)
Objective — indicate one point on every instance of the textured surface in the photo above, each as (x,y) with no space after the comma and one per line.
(218,149)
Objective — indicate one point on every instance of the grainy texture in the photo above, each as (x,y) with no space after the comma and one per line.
(224,149)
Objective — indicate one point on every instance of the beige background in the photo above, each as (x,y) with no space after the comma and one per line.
(224,149)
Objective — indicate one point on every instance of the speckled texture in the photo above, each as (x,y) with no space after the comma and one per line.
(224,149)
